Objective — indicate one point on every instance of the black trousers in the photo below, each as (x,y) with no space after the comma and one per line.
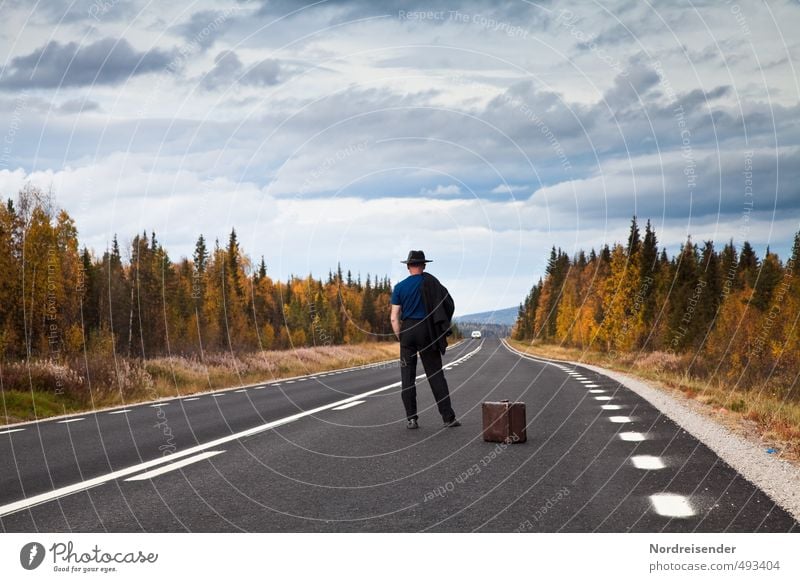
(414,337)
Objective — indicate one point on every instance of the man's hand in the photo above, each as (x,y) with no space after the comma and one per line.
(395,319)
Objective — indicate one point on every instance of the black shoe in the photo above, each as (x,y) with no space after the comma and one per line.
(412,423)
(452,423)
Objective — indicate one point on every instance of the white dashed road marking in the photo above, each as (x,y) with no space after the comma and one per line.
(69,420)
(633,437)
(174,466)
(123,411)
(671,505)
(157,405)
(620,419)
(611,406)
(349,405)
(11,430)
(190,399)
(647,462)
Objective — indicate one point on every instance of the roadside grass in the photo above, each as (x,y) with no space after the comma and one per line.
(769,414)
(42,389)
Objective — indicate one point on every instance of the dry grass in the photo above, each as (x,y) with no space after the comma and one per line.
(769,415)
(40,389)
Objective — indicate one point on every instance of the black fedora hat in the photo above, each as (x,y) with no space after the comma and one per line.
(416,258)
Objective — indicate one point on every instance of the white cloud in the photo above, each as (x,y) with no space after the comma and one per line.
(509,189)
(441,190)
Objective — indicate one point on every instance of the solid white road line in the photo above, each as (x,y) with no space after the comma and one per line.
(648,462)
(89,483)
(9,431)
(69,420)
(174,466)
(671,505)
(349,405)
(123,411)
(633,437)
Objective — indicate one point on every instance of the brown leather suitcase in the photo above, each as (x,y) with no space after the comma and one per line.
(504,422)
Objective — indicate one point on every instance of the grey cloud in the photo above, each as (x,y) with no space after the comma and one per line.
(629,89)
(204,27)
(699,97)
(78,106)
(77,11)
(228,69)
(648,187)
(103,62)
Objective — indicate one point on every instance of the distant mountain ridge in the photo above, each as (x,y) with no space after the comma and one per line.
(506,316)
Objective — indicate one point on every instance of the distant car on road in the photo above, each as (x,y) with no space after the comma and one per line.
(476,334)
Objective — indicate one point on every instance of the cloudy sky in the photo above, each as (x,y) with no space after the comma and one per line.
(353,131)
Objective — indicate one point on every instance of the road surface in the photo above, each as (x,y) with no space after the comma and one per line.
(330,452)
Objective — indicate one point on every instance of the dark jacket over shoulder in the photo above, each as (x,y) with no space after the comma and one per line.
(439,307)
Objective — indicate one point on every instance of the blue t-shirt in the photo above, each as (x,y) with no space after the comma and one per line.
(408,295)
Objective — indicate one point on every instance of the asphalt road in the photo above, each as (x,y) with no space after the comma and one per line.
(330,452)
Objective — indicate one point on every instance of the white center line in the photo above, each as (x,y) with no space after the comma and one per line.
(69,420)
(9,431)
(648,462)
(123,411)
(349,405)
(671,505)
(174,466)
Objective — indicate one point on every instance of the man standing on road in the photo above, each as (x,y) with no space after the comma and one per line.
(421,313)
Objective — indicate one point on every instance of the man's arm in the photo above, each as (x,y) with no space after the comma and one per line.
(395,318)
